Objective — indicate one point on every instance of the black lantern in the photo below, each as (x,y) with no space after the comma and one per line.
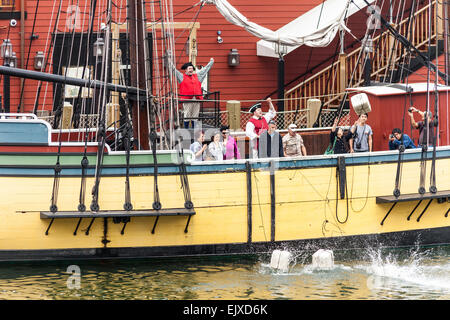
(6,49)
(39,60)
(233,58)
(12,61)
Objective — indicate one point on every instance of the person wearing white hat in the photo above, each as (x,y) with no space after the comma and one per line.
(257,124)
(293,145)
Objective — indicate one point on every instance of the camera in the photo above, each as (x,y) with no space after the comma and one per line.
(391,136)
(410,110)
(358,145)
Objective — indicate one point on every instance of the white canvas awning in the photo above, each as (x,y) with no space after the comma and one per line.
(308,25)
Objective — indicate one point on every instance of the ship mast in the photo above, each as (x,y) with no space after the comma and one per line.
(137,41)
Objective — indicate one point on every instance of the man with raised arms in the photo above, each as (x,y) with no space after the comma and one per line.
(257,124)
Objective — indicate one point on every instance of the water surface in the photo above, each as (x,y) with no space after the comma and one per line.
(370,274)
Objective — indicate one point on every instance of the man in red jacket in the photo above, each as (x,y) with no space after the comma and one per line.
(257,124)
(191,89)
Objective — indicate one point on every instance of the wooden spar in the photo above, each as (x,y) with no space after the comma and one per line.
(50,77)
(137,41)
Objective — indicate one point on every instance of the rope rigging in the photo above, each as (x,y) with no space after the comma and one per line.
(77,107)
(28,56)
(401,148)
(153,115)
(45,64)
(101,131)
(434,130)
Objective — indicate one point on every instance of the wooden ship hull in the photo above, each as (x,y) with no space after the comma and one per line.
(239,207)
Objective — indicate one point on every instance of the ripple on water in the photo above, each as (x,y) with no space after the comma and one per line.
(374,274)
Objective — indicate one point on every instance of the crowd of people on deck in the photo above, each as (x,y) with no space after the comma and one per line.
(266,141)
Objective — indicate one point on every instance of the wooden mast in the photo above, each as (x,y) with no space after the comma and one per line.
(137,39)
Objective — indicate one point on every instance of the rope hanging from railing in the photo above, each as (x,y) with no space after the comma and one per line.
(101,130)
(128,133)
(401,148)
(183,177)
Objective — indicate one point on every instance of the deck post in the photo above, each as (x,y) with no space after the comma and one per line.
(280,102)
(342,72)
(248,171)
(272,201)
(66,119)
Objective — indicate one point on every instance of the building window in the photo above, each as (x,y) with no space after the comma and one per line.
(10,9)
(6,3)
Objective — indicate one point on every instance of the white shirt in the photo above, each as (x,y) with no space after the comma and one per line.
(250,127)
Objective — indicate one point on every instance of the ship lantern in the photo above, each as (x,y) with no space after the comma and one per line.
(12,61)
(233,58)
(99,46)
(39,60)
(6,49)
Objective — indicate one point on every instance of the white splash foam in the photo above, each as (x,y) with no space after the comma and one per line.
(392,272)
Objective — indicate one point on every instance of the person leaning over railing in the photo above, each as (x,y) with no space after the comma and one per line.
(339,140)
(190,88)
(395,140)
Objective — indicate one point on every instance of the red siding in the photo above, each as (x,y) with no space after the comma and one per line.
(423,74)
(255,77)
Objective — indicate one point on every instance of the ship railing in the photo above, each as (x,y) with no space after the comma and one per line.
(299,117)
(209,109)
(86,120)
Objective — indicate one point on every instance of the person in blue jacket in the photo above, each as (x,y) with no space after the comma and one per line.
(396,137)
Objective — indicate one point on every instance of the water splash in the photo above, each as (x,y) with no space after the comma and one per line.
(394,270)
(301,264)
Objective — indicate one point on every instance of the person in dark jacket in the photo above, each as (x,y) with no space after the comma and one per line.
(270,143)
(395,140)
(340,146)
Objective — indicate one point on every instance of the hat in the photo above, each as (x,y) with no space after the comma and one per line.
(292,126)
(186,65)
(254,107)
(272,122)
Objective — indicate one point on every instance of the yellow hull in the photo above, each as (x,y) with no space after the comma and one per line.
(301,208)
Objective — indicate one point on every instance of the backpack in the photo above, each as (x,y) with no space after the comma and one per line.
(330,148)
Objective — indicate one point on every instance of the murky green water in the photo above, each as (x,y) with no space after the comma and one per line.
(365,274)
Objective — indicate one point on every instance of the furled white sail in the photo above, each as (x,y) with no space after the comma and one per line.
(320,37)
